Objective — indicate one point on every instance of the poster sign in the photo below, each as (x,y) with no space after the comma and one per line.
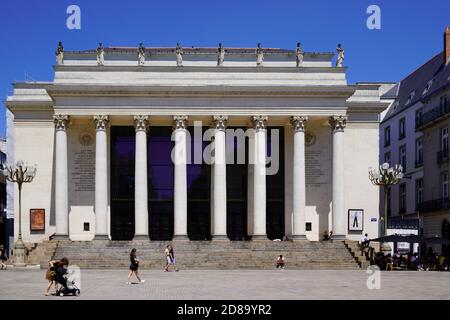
(37,219)
(355,220)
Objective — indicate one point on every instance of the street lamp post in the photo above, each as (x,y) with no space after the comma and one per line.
(385,176)
(20,173)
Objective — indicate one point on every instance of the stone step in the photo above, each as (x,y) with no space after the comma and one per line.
(207,254)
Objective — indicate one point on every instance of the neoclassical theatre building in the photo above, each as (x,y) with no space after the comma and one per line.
(197,143)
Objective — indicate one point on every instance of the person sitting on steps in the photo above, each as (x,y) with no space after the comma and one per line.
(280,262)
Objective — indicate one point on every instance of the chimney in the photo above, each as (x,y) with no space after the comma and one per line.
(447,45)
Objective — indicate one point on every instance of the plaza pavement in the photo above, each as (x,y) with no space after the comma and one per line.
(234,284)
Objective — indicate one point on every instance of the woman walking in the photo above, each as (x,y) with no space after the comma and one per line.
(50,275)
(134,266)
(3,257)
(170,258)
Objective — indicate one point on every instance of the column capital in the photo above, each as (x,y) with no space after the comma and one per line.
(299,123)
(140,123)
(337,123)
(101,121)
(220,122)
(180,122)
(259,122)
(61,121)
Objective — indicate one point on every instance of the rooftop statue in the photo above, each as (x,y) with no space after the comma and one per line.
(340,58)
(259,55)
(220,55)
(179,55)
(141,54)
(299,54)
(100,54)
(60,54)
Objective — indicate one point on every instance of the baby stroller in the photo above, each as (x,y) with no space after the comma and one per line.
(66,286)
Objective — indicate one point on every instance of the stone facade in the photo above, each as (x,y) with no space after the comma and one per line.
(333,147)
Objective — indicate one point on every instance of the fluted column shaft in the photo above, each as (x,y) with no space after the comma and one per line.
(140,179)
(220,179)
(101,178)
(259,178)
(299,187)
(61,177)
(339,217)
(179,158)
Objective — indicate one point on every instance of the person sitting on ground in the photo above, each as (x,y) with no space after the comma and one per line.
(389,264)
(364,242)
(414,262)
(280,262)
(327,236)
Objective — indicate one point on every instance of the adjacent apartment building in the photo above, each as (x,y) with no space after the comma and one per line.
(414,133)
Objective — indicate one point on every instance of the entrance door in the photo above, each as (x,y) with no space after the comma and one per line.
(160,183)
(275,184)
(237,162)
(198,191)
(122,182)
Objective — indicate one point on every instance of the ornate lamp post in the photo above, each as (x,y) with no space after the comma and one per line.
(385,177)
(20,173)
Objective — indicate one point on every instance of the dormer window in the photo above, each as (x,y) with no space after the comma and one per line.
(395,105)
(427,88)
(410,97)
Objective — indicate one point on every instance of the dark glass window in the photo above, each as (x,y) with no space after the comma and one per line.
(122,182)
(402,200)
(387,136)
(160,183)
(198,191)
(402,156)
(275,187)
(401,128)
(237,177)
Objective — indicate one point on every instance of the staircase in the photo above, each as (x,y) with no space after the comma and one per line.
(41,253)
(102,254)
(360,256)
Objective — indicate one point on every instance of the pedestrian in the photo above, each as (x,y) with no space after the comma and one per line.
(134,266)
(170,258)
(50,274)
(3,257)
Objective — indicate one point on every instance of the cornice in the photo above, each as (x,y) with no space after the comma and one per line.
(183,69)
(339,91)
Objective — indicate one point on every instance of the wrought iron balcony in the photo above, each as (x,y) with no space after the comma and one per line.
(434,205)
(432,115)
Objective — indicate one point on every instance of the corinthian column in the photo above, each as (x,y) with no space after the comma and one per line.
(61,177)
(101,178)
(299,188)
(220,179)
(140,179)
(179,158)
(339,218)
(259,178)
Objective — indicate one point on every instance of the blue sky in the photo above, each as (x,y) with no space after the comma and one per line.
(411,31)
